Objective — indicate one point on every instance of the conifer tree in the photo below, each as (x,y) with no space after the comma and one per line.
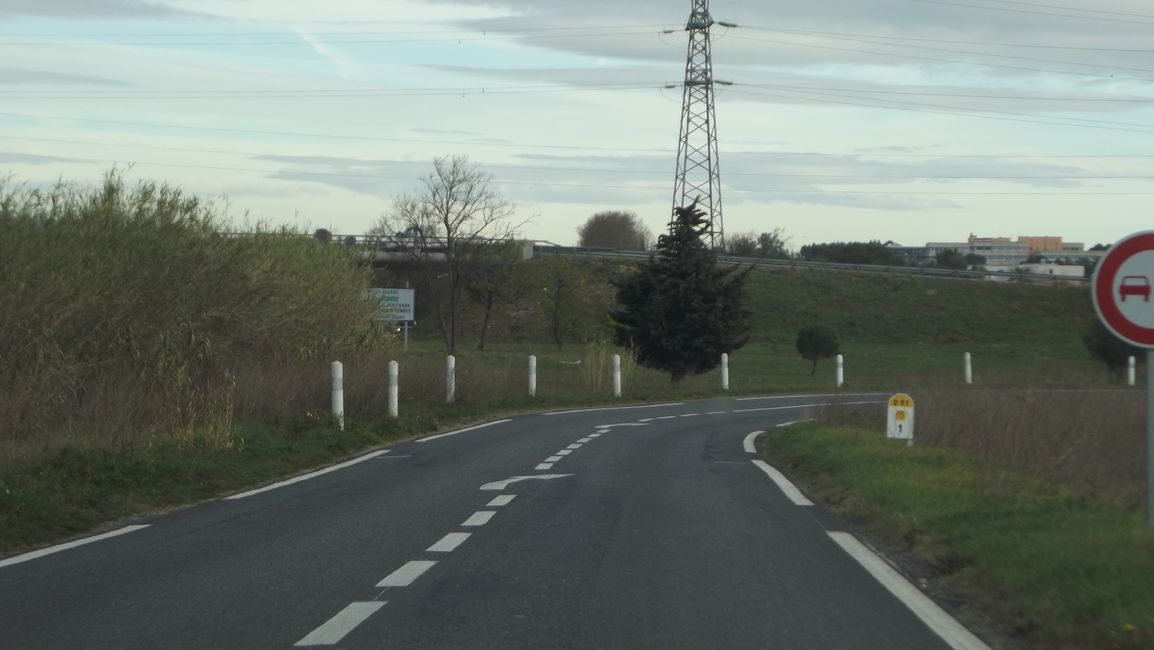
(681,310)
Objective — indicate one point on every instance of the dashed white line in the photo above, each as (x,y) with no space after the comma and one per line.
(748,443)
(605,427)
(553,459)
(305,477)
(564,452)
(793,422)
(543,466)
(690,415)
(67,545)
(716,412)
(479,518)
(448,543)
(944,625)
(340,625)
(585,440)
(594,435)
(784,484)
(404,576)
(666,417)
(501,500)
(646,420)
(453,433)
(573,447)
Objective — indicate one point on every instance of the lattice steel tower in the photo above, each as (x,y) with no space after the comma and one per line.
(697,177)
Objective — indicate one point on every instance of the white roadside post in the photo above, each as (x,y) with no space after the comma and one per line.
(1131,370)
(394,382)
(617,375)
(724,371)
(1121,289)
(969,368)
(840,371)
(450,379)
(338,402)
(532,375)
(900,418)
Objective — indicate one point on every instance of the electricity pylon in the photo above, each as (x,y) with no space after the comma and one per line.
(698,178)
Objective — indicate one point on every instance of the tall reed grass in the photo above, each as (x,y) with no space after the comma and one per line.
(129,316)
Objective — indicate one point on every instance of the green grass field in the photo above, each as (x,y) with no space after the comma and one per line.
(1058,567)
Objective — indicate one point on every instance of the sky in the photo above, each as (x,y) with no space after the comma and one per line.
(896,120)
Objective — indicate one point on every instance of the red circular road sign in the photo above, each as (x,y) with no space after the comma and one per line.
(1122,289)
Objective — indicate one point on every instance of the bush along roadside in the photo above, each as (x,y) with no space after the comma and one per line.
(1053,567)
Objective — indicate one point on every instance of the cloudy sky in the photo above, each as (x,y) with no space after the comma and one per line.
(904,120)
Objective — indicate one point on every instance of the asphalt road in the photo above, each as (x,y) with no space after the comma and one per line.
(657,530)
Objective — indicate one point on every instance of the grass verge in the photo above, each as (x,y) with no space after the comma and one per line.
(1057,568)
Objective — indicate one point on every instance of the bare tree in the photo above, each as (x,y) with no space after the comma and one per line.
(442,225)
(614,229)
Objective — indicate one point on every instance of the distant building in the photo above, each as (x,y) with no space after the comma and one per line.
(999,251)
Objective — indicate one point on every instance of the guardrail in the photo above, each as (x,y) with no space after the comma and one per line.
(606,253)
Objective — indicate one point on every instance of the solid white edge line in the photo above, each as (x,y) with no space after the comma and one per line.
(404,576)
(748,443)
(501,500)
(448,543)
(335,629)
(479,518)
(792,422)
(305,477)
(789,489)
(453,433)
(615,408)
(944,625)
(748,399)
(803,406)
(32,555)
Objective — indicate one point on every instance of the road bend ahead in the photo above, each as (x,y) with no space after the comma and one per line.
(636,527)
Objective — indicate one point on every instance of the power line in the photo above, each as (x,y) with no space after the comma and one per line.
(916,57)
(873,41)
(1030,98)
(948,41)
(599,170)
(912,107)
(527,145)
(329,93)
(654,188)
(1128,21)
(1069,8)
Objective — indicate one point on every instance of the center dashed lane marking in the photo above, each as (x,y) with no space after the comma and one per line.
(337,627)
(448,543)
(564,452)
(553,459)
(501,500)
(574,446)
(404,576)
(541,467)
(479,518)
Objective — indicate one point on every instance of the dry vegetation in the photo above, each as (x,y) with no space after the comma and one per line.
(130,318)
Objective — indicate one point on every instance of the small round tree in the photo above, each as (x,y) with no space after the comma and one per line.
(816,343)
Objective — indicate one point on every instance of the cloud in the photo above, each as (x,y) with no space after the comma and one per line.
(90,9)
(13,76)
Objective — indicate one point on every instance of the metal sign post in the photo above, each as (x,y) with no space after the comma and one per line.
(1122,297)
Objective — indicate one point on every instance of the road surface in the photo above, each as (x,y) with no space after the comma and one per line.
(638,527)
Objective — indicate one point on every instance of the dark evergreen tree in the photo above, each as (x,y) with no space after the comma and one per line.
(1101,343)
(681,311)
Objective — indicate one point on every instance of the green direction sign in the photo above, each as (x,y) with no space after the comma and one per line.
(394,304)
